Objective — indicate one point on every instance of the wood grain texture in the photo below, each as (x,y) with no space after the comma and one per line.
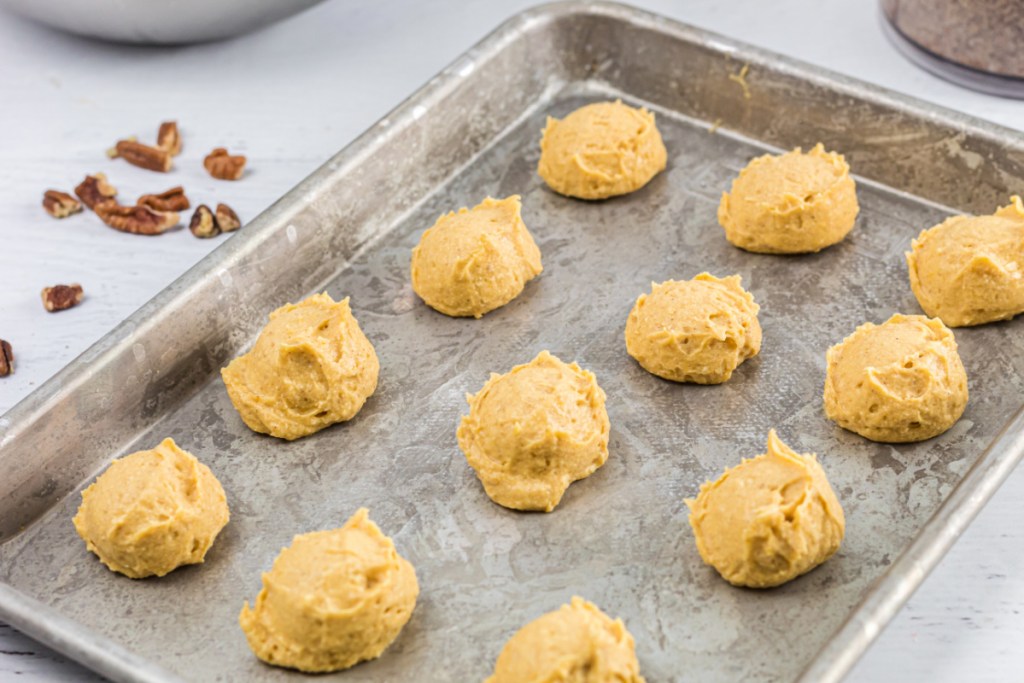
(290,96)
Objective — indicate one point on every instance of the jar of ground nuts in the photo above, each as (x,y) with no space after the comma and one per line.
(976,43)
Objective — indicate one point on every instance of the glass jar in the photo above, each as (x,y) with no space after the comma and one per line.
(975,43)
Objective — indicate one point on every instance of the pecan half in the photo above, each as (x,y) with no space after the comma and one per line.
(61,297)
(60,204)
(95,190)
(173,199)
(143,156)
(168,138)
(138,220)
(203,223)
(6,358)
(223,166)
(227,219)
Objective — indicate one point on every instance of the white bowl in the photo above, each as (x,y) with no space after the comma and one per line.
(158,21)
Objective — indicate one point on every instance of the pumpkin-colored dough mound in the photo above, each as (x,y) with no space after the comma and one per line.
(896,382)
(152,511)
(534,430)
(332,599)
(696,330)
(311,367)
(601,150)
(968,269)
(476,260)
(792,203)
(769,519)
(577,643)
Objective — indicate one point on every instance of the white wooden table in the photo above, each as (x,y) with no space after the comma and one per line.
(290,96)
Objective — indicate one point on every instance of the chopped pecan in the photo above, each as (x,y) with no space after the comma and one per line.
(227,219)
(223,166)
(173,199)
(60,297)
(143,156)
(112,152)
(60,204)
(168,138)
(95,190)
(203,223)
(6,358)
(138,220)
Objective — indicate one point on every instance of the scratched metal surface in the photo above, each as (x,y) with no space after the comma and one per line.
(619,538)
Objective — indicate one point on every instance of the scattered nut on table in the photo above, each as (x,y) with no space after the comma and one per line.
(168,138)
(224,166)
(6,358)
(138,220)
(204,223)
(143,156)
(95,190)
(173,199)
(227,219)
(61,297)
(60,204)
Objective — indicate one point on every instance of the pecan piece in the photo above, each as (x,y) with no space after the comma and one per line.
(227,219)
(168,138)
(138,220)
(6,358)
(61,297)
(224,166)
(95,190)
(203,223)
(60,204)
(143,156)
(173,199)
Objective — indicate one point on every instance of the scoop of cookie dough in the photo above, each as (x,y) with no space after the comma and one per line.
(896,382)
(476,260)
(968,269)
(769,519)
(793,203)
(152,511)
(311,367)
(534,430)
(601,150)
(332,599)
(577,643)
(695,330)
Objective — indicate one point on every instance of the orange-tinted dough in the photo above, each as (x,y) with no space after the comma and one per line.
(152,511)
(332,599)
(311,367)
(476,260)
(969,270)
(534,430)
(791,203)
(601,150)
(769,519)
(896,382)
(697,330)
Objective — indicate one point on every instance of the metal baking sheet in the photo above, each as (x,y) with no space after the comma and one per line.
(619,538)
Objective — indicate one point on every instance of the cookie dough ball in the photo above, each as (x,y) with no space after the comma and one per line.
(332,599)
(769,519)
(311,367)
(476,260)
(535,430)
(601,150)
(152,511)
(696,330)
(896,382)
(793,203)
(577,642)
(968,269)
